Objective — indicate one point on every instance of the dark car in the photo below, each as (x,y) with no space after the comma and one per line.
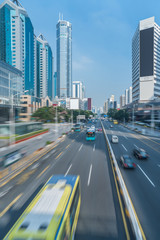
(127,161)
(140,153)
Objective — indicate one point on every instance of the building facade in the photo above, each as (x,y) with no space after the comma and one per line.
(29,104)
(55,85)
(64,59)
(17,41)
(78,90)
(10,90)
(130,95)
(44,68)
(146,61)
(122,101)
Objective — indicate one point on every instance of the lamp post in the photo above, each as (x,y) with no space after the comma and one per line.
(133,116)
(12,119)
(152,118)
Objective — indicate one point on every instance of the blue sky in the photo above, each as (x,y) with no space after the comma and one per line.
(102,36)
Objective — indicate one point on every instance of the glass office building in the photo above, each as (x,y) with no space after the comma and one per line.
(145,61)
(44,75)
(17,41)
(10,90)
(64,59)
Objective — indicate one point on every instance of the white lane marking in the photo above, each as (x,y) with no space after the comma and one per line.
(111,131)
(135,145)
(94,147)
(146,176)
(89,176)
(35,166)
(5,192)
(158,165)
(68,170)
(124,147)
(125,137)
(80,147)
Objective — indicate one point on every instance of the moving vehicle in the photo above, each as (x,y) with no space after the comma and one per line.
(140,153)
(114,139)
(111,126)
(53,213)
(12,157)
(90,134)
(99,129)
(77,127)
(127,161)
(115,121)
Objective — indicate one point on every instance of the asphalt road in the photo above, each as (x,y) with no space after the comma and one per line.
(143,183)
(100,216)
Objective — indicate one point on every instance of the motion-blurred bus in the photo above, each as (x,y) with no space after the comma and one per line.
(53,213)
(77,127)
(90,134)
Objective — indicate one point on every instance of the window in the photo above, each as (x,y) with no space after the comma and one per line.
(24,110)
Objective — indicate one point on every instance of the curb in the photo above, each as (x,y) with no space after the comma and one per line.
(22,140)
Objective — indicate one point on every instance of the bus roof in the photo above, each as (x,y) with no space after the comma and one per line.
(46,210)
(91,130)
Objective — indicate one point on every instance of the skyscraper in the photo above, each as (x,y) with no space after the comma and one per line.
(122,100)
(78,90)
(126,97)
(44,60)
(145,61)
(64,59)
(17,41)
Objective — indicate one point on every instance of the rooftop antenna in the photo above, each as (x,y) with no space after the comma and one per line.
(59,16)
(62,16)
(17,3)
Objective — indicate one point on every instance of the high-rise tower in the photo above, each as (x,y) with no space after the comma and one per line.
(145,61)
(17,41)
(64,59)
(44,67)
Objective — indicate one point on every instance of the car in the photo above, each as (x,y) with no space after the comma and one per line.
(111,126)
(99,129)
(140,153)
(114,139)
(127,162)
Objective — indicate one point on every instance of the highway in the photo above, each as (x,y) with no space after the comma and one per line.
(143,183)
(100,213)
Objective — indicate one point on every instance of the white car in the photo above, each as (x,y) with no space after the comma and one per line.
(114,139)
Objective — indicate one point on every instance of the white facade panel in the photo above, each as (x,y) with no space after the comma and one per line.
(74,103)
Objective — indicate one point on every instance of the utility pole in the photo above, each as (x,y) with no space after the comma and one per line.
(133,116)
(152,118)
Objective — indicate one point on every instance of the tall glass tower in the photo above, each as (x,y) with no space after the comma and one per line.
(17,41)
(64,59)
(44,62)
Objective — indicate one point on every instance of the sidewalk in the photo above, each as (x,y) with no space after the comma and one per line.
(143,130)
(35,143)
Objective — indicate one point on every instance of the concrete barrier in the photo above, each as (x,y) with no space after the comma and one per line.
(138,232)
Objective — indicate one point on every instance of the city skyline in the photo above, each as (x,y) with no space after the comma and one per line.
(96,51)
(94,68)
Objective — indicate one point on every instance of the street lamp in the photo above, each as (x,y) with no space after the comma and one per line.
(152,118)
(133,116)
(12,120)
